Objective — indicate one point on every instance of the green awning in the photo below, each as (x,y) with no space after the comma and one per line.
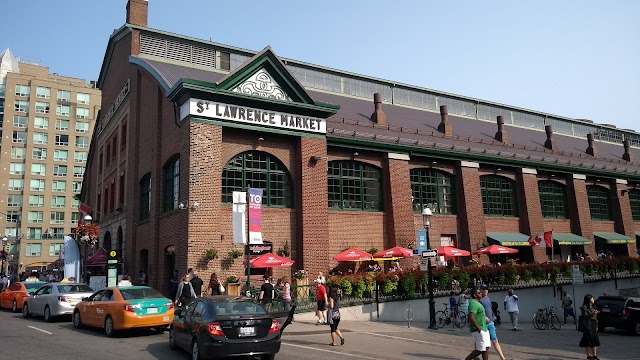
(613,238)
(570,239)
(508,239)
(638,233)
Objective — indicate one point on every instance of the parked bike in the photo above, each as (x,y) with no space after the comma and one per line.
(457,318)
(545,318)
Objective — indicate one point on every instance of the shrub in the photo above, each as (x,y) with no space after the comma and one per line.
(408,285)
(345,285)
(211,254)
(445,281)
(234,254)
(464,279)
(527,275)
(231,280)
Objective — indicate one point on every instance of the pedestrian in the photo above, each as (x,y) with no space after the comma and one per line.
(478,326)
(321,279)
(215,288)
(453,303)
(491,327)
(266,292)
(143,279)
(511,306)
(463,301)
(567,306)
(190,273)
(173,284)
(334,315)
(590,340)
(286,293)
(185,292)
(321,302)
(196,284)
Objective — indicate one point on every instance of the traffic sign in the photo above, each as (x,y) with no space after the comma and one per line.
(577,277)
(429,254)
(424,264)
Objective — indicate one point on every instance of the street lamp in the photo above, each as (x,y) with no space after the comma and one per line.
(86,219)
(426,221)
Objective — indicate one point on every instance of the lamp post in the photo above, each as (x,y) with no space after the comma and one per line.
(86,219)
(426,221)
(4,254)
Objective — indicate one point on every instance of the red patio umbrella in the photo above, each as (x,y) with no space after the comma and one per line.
(449,251)
(496,249)
(270,260)
(394,252)
(353,255)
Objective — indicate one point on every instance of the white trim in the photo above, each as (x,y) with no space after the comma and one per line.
(470,164)
(621,181)
(396,156)
(580,177)
(529,171)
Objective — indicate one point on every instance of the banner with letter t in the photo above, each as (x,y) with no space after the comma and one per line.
(255,216)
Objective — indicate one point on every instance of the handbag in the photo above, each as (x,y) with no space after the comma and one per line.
(584,324)
(221,289)
(330,317)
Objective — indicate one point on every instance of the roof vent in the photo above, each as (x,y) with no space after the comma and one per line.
(501,135)
(549,143)
(591,150)
(378,116)
(627,154)
(445,126)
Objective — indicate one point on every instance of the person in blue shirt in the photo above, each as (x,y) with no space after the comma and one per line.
(486,303)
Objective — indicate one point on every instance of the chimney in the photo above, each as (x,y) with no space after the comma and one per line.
(445,126)
(137,11)
(549,143)
(378,116)
(591,150)
(627,155)
(501,135)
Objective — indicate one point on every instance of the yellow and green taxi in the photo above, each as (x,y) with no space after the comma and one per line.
(124,307)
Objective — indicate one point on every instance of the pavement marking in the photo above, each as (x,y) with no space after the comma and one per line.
(38,329)
(411,340)
(330,351)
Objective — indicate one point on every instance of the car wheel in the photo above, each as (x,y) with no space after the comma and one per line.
(25,310)
(636,328)
(268,357)
(108,327)
(172,340)
(77,322)
(47,314)
(195,351)
(14,306)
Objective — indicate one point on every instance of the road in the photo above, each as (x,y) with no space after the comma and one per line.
(27,339)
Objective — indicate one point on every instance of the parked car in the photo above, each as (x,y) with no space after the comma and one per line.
(223,326)
(124,307)
(620,312)
(16,294)
(55,299)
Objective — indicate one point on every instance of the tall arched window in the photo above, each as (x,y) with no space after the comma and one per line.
(171,184)
(553,199)
(435,187)
(120,241)
(106,243)
(260,170)
(498,195)
(599,202)
(634,199)
(145,197)
(354,186)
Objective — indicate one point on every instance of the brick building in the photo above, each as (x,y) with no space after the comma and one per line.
(345,161)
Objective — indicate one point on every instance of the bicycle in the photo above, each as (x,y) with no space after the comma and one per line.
(545,318)
(444,317)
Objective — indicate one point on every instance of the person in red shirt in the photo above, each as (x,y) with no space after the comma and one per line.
(321,306)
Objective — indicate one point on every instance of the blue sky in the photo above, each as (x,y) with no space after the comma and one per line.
(574,58)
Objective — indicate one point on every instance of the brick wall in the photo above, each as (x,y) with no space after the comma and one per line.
(621,208)
(530,211)
(473,230)
(559,226)
(398,205)
(579,212)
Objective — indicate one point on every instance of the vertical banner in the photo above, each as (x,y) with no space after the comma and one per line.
(422,241)
(238,219)
(255,216)
(71,257)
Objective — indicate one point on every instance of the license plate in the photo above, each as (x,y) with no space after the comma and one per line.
(165,318)
(247,331)
(152,310)
(606,310)
(72,301)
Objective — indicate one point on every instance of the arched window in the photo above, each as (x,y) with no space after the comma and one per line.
(634,199)
(171,184)
(599,202)
(355,186)
(260,170)
(145,197)
(435,187)
(106,243)
(553,199)
(120,241)
(498,195)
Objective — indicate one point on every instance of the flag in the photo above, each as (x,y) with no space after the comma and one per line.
(532,241)
(545,241)
(548,239)
(84,209)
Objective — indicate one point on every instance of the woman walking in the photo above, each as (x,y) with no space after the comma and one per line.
(286,293)
(334,315)
(214,285)
(590,339)
(185,293)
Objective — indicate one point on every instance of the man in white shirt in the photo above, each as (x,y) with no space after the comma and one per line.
(5,282)
(511,306)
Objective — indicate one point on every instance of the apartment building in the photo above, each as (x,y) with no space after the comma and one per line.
(46,121)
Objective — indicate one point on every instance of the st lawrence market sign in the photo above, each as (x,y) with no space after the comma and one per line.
(247,115)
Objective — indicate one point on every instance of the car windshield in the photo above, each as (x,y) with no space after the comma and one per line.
(32,287)
(140,293)
(70,289)
(238,308)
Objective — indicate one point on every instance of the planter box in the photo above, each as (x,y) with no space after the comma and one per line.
(233,289)
(302,288)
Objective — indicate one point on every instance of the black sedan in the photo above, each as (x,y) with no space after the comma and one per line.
(224,326)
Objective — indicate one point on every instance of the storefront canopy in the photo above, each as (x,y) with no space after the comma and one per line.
(613,238)
(570,239)
(508,239)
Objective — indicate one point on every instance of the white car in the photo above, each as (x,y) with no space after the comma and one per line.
(55,299)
